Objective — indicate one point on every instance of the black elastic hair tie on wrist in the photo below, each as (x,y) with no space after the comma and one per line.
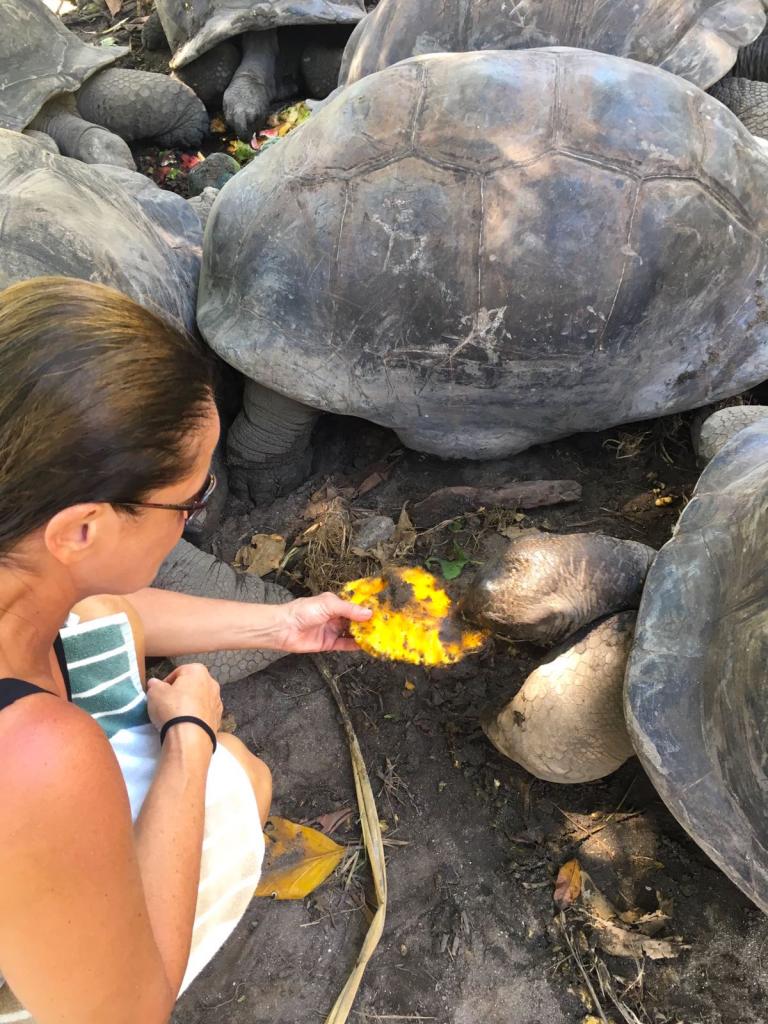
(188,718)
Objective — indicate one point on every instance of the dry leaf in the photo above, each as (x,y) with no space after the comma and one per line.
(651,924)
(405,535)
(115,6)
(262,555)
(330,822)
(297,860)
(616,941)
(568,884)
(594,902)
(370,482)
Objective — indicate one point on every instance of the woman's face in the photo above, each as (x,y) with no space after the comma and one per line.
(143,539)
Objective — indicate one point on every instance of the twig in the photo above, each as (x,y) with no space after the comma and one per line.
(393,1016)
(580,965)
(369,820)
(626,1012)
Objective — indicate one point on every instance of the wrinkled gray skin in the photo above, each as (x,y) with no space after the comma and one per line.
(117,227)
(210,74)
(194,27)
(696,39)
(248,96)
(320,67)
(414,254)
(187,570)
(546,586)
(714,432)
(696,703)
(144,105)
(748,100)
(566,723)
(81,139)
(42,64)
(268,450)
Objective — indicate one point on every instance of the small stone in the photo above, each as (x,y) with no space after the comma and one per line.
(213,172)
(372,532)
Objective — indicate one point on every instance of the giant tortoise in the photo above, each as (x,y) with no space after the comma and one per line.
(62,217)
(235,47)
(695,693)
(474,250)
(52,82)
(697,39)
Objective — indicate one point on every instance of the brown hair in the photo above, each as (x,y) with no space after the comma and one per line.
(97,398)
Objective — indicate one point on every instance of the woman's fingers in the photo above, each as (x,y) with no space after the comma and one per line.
(335,607)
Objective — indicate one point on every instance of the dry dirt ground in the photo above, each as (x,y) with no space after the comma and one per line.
(472,933)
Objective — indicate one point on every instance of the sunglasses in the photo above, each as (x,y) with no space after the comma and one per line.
(194,510)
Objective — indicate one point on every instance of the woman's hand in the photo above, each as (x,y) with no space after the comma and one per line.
(188,690)
(313,624)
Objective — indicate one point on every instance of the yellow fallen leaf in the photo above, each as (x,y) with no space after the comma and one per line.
(568,884)
(413,619)
(297,860)
(409,685)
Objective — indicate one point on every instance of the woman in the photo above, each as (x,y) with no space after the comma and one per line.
(107,428)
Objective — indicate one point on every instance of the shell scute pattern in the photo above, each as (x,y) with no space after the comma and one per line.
(427,239)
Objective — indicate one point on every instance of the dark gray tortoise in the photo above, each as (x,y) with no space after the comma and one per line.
(117,227)
(695,693)
(53,83)
(473,250)
(232,47)
(696,39)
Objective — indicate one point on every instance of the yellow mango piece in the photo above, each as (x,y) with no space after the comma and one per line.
(413,619)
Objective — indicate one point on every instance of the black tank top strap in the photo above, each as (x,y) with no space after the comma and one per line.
(12,690)
(58,648)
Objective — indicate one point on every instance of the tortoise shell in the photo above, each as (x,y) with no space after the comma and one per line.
(40,58)
(697,39)
(194,26)
(489,250)
(105,224)
(696,702)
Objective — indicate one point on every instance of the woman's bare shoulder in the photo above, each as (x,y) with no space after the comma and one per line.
(52,751)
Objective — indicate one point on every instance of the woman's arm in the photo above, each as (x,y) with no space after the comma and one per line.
(169,840)
(181,624)
(96,919)
(78,943)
